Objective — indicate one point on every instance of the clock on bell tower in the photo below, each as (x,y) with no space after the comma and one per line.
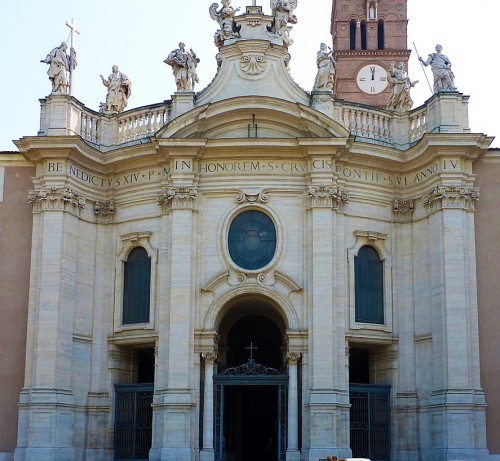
(368,35)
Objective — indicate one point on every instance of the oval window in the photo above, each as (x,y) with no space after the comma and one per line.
(252,240)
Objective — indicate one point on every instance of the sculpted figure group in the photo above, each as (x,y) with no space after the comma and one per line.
(183,67)
(444,79)
(119,90)
(225,18)
(60,64)
(326,69)
(397,77)
(184,63)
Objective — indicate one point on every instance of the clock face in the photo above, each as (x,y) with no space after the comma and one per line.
(372,79)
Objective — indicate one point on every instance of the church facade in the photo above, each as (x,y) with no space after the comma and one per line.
(253,271)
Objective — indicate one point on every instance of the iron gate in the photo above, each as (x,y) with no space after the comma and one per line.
(221,383)
(133,421)
(370,422)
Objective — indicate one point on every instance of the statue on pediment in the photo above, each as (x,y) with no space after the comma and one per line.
(59,64)
(397,77)
(282,11)
(119,90)
(225,18)
(326,69)
(183,65)
(444,78)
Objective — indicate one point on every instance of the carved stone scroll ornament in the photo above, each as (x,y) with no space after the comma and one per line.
(403,209)
(253,64)
(293,356)
(322,196)
(261,197)
(209,356)
(451,197)
(64,199)
(104,208)
(178,197)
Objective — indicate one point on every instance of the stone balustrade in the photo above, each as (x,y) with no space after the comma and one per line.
(445,112)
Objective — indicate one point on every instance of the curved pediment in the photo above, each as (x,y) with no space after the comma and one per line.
(252,117)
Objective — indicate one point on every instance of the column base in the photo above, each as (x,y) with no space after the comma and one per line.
(207,454)
(292,455)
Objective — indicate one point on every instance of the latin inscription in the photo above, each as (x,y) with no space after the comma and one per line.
(253,167)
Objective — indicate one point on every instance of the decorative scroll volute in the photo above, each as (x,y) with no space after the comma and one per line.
(322,196)
(178,198)
(261,197)
(403,209)
(253,64)
(209,356)
(64,199)
(457,196)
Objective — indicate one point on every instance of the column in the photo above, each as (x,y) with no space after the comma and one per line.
(207,453)
(292,451)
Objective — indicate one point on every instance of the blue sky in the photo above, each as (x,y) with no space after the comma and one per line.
(138,36)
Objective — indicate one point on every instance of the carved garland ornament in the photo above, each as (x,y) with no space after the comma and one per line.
(178,197)
(253,64)
(451,197)
(322,196)
(57,199)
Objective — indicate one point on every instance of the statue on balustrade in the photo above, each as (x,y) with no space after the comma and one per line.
(326,69)
(119,90)
(184,65)
(283,10)
(225,18)
(444,78)
(59,64)
(397,77)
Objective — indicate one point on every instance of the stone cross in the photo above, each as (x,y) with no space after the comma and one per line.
(251,348)
(74,31)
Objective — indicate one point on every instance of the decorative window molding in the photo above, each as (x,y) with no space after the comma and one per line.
(224,241)
(376,240)
(130,242)
(242,197)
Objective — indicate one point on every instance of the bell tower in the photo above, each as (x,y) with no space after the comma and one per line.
(367,36)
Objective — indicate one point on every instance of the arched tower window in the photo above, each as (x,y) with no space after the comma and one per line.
(352,34)
(363,35)
(369,286)
(381,34)
(136,287)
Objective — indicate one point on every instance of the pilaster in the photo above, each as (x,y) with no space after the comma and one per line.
(328,398)
(47,401)
(174,419)
(457,402)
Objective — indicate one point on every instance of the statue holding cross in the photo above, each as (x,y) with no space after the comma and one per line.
(61,64)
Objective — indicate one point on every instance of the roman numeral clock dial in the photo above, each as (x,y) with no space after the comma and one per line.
(372,79)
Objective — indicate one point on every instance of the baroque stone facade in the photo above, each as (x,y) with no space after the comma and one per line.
(251,206)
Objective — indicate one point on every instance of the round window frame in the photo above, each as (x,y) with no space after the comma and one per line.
(279,238)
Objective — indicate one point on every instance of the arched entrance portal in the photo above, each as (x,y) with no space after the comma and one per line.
(251,385)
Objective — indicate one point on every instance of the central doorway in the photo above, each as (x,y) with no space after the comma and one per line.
(251,423)
(251,384)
